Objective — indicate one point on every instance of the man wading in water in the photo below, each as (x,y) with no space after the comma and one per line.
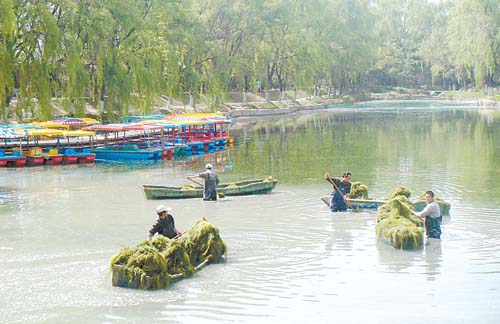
(341,187)
(432,216)
(211,182)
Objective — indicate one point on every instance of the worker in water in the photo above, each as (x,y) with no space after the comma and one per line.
(341,188)
(211,181)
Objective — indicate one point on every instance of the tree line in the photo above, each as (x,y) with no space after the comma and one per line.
(114,54)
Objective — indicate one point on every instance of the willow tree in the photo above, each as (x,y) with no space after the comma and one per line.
(7,55)
(435,48)
(472,33)
(37,45)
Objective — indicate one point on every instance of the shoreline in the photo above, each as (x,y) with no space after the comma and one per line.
(249,114)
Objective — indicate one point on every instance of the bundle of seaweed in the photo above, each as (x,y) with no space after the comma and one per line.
(399,191)
(142,267)
(204,243)
(397,225)
(177,258)
(189,186)
(358,191)
(155,264)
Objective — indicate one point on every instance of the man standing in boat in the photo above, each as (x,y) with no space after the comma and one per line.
(432,216)
(211,181)
(165,224)
(341,187)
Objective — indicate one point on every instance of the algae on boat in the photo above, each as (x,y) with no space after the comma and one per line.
(203,242)
(396,223)
(399,191)
(156,264)
(358,191)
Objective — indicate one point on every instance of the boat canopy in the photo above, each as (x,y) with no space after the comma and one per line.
(44,132)
(50,125)
(78,133)
(10,133)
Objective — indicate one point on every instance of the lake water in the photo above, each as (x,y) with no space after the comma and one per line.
(290,259)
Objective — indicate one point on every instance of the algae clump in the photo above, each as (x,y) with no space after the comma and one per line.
(156,264)
(358,191)
(203,242)
(396,223)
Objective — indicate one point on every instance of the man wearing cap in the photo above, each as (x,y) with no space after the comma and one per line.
(164,225)
(341,187)
(211,181)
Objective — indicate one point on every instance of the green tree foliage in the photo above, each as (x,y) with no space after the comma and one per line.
(124,54)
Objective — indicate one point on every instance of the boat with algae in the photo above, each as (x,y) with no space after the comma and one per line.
(245,187)
(159,263)
(396,225)
(358,199)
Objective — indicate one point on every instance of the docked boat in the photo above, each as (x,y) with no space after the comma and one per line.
(246,187)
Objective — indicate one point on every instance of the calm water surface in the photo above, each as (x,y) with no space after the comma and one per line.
(290,259)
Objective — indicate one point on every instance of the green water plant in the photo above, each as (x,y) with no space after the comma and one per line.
(396,223)
(399,191)
(203,242)
(358,191)
(158,263)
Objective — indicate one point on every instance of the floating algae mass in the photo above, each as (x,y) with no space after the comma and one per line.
(396,223)
(203,242)
(358,190)
(156,264)
(399,191)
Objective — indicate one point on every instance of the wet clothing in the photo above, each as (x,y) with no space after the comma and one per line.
(433,226)
(433,219)
(337,202)
(211,182)
(165,227)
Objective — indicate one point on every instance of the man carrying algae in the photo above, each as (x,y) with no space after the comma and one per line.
(211,181)
(432,216)
(341,187)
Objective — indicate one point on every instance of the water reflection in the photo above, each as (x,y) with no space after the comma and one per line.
(424,149)
(433,257)
(290,259)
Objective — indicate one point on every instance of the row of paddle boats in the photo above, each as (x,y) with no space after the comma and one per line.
(146,138)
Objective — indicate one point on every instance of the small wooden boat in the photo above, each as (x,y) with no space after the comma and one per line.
(246,187)
(359,203)
(374,204)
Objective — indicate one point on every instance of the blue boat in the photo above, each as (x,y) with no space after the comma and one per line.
(127,152)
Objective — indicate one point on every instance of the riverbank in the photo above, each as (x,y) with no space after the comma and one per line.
(273,103)
(250,110)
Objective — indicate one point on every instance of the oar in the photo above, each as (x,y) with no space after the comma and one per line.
(329,179)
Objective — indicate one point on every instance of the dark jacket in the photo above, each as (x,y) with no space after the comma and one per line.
(165,227)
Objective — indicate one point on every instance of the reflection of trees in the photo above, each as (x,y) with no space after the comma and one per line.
(418,148)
